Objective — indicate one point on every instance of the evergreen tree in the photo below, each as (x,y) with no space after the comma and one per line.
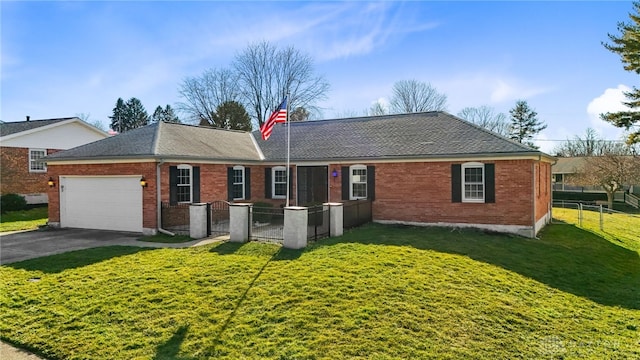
(231,115)
(118,118)
(628,47)
(524,124)
(136,114)
(167,115)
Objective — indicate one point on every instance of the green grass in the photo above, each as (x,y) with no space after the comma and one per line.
(378,292)
(24,219)
(623,229)
(164,238)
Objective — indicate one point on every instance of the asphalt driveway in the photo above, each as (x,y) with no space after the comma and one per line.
(26,245)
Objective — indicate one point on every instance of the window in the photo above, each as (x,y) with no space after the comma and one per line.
(34,164)
(473,182)
(279,176)
(184,188)
(358,175)
(238,183)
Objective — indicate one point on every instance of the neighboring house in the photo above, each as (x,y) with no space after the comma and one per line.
(564,167)
(23,145)
(427,168)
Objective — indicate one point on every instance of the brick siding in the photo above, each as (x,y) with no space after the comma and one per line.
(15,176)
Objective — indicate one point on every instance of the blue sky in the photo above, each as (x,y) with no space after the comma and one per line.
(61,59)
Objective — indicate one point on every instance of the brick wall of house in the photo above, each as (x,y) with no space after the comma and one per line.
(421,192)
(543,189)
(15,176)
(147,169)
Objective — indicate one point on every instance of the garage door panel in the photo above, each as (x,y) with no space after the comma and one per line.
(107,203)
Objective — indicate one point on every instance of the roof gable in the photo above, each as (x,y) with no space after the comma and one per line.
(63,133)
(169,140)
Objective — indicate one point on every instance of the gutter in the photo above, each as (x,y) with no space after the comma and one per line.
(159,201)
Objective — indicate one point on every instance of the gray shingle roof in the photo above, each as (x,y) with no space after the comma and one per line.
(168,140)
(419,135)
(8,128)
(568,165)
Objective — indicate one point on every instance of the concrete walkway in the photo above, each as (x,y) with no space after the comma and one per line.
(25,245)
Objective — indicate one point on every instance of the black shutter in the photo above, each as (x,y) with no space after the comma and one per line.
(489,183)
(230,183)
(173,185)
(291,183)
(247,183)
(345,182)
(196,184)
(267,183)
(456,183)
(371,183)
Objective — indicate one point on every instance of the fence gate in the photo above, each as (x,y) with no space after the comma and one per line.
(219,218)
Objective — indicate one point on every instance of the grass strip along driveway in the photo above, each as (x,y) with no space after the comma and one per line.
(378,292)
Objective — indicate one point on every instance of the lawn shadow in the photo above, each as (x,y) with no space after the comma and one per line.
(564,257)
(288,254)
(75,259)
(170,349)
(226,248)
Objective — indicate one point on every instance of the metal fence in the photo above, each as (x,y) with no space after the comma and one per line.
(267,224)
(356,213)
(218,218)
(175,218)
(318,222)
(597,217)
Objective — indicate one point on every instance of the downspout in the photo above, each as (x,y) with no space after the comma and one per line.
(159,200)
(551,189)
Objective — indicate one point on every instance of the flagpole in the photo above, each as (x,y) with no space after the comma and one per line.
(288,149)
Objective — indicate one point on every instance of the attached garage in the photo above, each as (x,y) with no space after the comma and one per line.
(101,202)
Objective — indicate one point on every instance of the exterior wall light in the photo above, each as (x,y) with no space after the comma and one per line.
(143,182)
(334,173)
(51,183)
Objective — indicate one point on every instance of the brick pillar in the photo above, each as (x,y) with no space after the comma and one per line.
(336,219)
(198,220)
(295,227)
(239,222)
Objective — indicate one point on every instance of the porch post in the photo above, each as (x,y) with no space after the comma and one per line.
(296,219)
(239,222)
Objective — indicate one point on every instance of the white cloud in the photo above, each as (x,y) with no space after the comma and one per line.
(609,101)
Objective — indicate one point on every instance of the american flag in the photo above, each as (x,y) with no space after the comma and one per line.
(278,116)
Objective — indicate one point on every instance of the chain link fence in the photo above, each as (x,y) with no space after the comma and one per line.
(620,225)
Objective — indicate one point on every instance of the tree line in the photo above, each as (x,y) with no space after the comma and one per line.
(261,75)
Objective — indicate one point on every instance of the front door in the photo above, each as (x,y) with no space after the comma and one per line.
(313,185)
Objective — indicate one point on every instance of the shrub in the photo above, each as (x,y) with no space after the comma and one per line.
(12,202)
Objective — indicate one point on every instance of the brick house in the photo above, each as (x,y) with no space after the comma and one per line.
(24,143)
(424,169)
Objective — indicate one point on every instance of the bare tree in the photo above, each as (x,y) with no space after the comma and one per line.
(266,74)
(96,123)
(589,145)
(486,117)
(203,94)
(612,171)
(377,108)
(411,96)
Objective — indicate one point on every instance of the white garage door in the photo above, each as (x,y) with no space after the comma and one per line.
(106,203)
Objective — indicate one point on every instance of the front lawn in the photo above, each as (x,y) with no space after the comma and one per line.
(378,292)
(24,219)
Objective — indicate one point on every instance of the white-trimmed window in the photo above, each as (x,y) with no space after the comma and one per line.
(473,182)
(35,165)
(279,183)
(357,182)
(184,189)
(238,183)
